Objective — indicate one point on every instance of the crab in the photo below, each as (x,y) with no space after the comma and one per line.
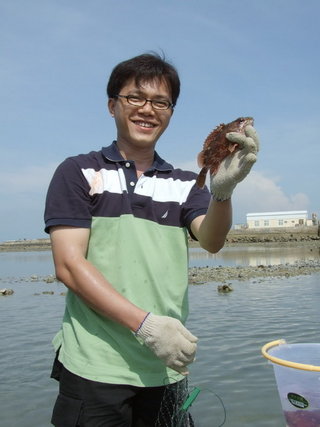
(216,147)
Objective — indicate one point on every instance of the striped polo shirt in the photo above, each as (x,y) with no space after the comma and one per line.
(138,240)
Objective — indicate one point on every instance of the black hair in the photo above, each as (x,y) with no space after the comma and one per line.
(142,68)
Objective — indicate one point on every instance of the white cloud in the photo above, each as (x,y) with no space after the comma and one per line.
(259,193)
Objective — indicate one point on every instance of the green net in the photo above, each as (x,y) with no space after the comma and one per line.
(175,404)
(178,410)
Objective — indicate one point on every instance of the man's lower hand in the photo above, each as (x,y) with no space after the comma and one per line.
(169,340)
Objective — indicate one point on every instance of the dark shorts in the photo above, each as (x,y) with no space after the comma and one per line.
(85,403)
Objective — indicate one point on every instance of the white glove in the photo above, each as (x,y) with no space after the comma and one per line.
(169,340)
(235,167)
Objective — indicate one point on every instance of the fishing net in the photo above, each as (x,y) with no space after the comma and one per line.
(174,406)
(177,409)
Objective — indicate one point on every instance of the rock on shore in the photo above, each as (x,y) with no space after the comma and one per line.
(200,275)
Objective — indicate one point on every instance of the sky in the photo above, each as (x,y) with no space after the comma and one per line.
(235,58)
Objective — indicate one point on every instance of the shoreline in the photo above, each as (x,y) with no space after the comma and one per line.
(26,245)
(292,236)
(205,275)
(306,237)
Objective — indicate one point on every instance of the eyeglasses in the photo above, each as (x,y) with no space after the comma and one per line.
(138,101)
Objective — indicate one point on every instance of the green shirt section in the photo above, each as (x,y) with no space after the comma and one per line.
(148,264)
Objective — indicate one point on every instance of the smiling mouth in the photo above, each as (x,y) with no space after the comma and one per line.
(144,124)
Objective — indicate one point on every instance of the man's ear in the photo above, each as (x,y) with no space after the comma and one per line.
(111,106)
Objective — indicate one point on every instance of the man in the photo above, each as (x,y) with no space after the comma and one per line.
(118,222)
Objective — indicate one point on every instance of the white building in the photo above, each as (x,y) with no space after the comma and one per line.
(278,219)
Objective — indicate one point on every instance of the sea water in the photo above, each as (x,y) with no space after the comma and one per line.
(236,382)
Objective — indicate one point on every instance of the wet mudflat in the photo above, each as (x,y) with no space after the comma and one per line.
(233,376)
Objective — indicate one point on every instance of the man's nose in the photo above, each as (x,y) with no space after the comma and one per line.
(147,107)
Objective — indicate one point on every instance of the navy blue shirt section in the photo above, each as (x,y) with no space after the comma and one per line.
(103,184)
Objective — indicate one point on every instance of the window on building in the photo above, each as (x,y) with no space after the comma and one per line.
(266,223)
(280,222)
(256,223)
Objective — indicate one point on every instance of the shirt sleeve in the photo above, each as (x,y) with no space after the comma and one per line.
(196,204)
(68,201)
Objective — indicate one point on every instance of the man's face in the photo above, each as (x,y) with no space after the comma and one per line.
(141,127)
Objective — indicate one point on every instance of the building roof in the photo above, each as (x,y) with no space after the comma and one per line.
(281,214)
